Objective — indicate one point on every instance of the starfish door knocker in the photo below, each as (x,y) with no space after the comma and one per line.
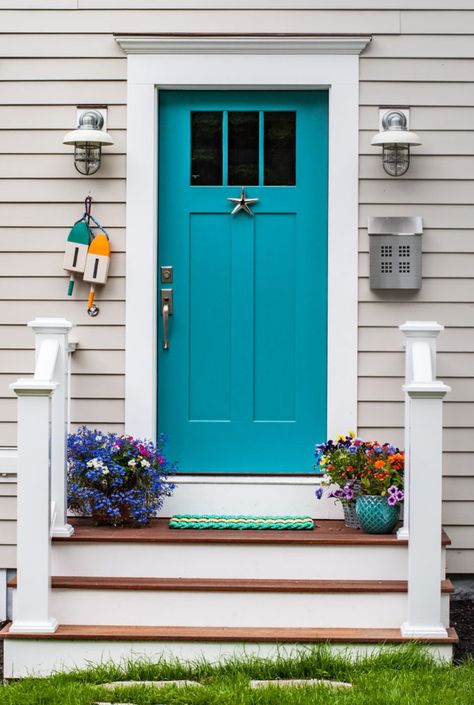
(242,203)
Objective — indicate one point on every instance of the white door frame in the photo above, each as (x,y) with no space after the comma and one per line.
(239,62)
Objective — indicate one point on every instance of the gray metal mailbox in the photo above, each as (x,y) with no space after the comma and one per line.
(395,252)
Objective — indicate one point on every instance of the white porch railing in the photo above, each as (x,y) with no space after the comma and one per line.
(423,477)
(42,505)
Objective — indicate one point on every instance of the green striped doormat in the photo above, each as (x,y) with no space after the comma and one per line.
(222,521)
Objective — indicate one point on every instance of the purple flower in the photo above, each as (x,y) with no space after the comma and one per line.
(392,500)
(392,490)
(400,495)
(348,492)
(319,492)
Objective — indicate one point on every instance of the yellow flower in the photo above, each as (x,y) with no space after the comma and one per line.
(324,460)
(340,438)
(352,434)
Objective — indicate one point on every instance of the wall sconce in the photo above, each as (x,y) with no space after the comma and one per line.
(88,140)
(396,140)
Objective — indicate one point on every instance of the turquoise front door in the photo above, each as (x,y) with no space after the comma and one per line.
(242,371)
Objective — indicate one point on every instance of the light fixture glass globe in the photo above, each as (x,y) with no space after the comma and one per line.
(87,157)
(396,158)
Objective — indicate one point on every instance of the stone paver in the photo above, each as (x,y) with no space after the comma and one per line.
(291,682)
(155,684)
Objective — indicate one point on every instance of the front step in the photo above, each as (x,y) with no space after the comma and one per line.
(86,644)
(233,603)
(330,552)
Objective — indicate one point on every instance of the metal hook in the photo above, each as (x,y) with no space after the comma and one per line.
(87,208)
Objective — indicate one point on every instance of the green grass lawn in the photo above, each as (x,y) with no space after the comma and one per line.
(402,676)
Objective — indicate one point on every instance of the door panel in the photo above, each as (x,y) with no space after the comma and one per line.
(242,387)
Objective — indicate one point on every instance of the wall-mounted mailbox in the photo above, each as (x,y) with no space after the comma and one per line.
(395,252)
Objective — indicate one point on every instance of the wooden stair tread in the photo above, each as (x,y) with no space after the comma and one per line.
(329,532)
(76,632)
(232,584)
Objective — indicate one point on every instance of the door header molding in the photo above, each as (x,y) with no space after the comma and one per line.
(242,44)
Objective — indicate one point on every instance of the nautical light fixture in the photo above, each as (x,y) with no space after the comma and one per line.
(88,140)
(396,141)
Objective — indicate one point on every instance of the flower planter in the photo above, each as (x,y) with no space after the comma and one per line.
(376,515)
(351,519)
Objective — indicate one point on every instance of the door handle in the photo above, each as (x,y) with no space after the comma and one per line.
(166,312)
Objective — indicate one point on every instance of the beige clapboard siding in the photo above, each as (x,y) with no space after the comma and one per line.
(55,69)
(434,117)
(461,537)
(420,46)
(7,506)
(457,464)
(446,241)
(51,239)
(436,22)
(200,21)
(385,339)
(391,413)
(54,117)
(111,215)
(422,166)
(416,93)
(47,264)
(58,166)
(435,265)
(60,190)
(44,289)
(50,141)
(388,389)
(455,440)
(85,411)
(458,488)
(243,4)
(7,534)
(24,311)
(426,191)
(434,143)
(442,216)
(63,92)
(83,386)
(452,290)
(375,314)
(426,70)
(391,364)
(47,45)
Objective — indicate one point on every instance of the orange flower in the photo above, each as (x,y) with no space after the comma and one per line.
(379,463)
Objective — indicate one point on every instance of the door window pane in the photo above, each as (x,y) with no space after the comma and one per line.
(280,148)
(243,148)
(206,148)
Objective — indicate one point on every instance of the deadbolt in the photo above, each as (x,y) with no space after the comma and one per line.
(166,275)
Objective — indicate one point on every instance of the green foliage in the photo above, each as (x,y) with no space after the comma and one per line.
(404,675)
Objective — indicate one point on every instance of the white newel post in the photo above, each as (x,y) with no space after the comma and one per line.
(57,329)
(423,441)
(34,543)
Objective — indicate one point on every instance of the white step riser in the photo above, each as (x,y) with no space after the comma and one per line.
(231,609)
(318,562)
(253,495)
(41,658)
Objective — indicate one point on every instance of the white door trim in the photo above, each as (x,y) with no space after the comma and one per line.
(242,63)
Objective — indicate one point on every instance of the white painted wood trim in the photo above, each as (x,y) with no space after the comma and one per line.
(243,44)
(147,73)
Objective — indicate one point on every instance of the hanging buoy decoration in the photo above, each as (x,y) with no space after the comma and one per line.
(75,255)
(97,267)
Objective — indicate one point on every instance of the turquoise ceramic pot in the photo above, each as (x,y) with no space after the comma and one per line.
(375,514)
